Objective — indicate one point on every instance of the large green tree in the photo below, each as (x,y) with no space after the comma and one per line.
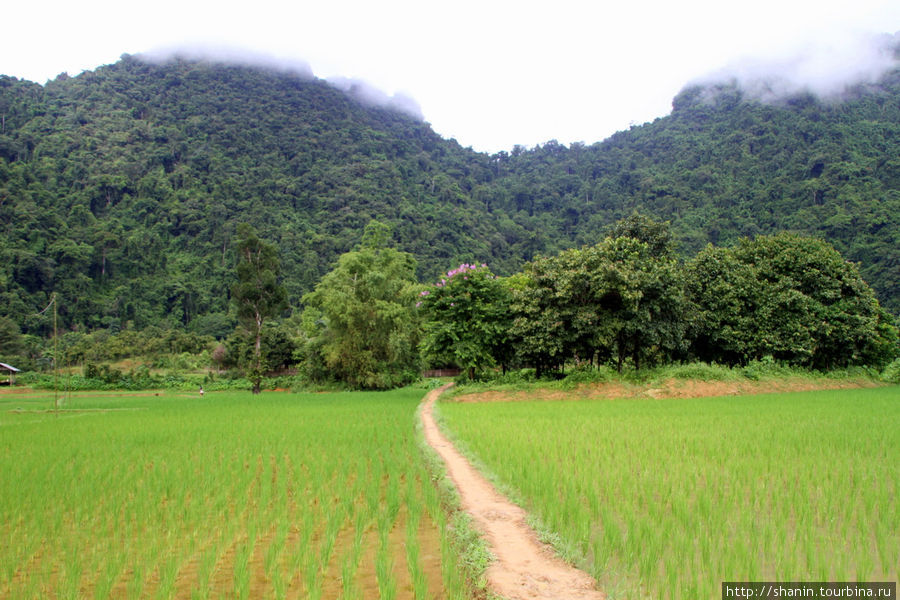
(643,228)
(727,296)
(618,299)
(791,297)
(361,320)
(468,319)
(257,295)
(646,301)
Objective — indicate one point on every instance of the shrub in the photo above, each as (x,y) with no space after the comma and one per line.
(767,366)
(702,371)
(589,375)
(891,373)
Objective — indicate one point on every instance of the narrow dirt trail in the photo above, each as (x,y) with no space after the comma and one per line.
(525,568)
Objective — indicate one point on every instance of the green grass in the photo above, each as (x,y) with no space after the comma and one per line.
(668,498)
(228,495)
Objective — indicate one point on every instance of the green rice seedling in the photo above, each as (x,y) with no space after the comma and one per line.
(413,557)
(312,578)
(350,563)
(204,573)
(166,587)
(71,581)
(384,565)
(792,487)
(349,589)
(169,486)
(242,570)
(272,560)
(392,500)
(333,527)
(135,584)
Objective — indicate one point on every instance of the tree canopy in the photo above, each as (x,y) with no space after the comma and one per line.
(467,319)
(361,323)
(628,300)
(616,299)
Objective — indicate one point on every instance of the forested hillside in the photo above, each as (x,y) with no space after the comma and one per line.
(724,165)
(121,189)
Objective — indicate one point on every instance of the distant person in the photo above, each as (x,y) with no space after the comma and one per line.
(201,390)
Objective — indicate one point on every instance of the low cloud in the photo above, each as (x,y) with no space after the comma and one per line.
(357,89)
(369,95)
(828,68)
(231,56)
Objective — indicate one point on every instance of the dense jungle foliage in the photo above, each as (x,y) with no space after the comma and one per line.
(122,189)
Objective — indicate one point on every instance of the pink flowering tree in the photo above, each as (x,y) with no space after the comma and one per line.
(467,319)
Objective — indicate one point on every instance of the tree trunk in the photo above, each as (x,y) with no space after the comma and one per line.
(257,374)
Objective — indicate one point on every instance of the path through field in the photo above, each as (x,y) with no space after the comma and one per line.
(525,568)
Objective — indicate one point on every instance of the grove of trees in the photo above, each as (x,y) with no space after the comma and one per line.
(625,301)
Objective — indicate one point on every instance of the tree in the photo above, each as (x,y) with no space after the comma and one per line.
(558,312)
(726,294)
(790,297)
(538,326)
(11,342)
(643,303)
(657,235)
(821,304)
(468,318)
(257,295)
(360,321)
(616,299)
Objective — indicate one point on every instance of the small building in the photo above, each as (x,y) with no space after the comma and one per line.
(10,372)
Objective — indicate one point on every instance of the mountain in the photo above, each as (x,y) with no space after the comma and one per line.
(121,188)
(726,165)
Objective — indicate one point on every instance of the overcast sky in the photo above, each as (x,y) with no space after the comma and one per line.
(491,74)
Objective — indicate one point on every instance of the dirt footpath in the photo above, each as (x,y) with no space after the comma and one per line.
(525,568)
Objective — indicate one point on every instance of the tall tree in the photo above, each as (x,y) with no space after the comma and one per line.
(646,300)
(257,295)
(726,294)
(829,315)
(790,297)
(640,227)
(361,323)
(616,299)
(468,318)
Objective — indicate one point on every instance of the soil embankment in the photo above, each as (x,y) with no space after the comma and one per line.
(670,388)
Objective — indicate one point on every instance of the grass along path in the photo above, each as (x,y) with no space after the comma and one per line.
(524,567)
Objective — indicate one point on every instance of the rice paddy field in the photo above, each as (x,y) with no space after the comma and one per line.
(668,498)
(224,496)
